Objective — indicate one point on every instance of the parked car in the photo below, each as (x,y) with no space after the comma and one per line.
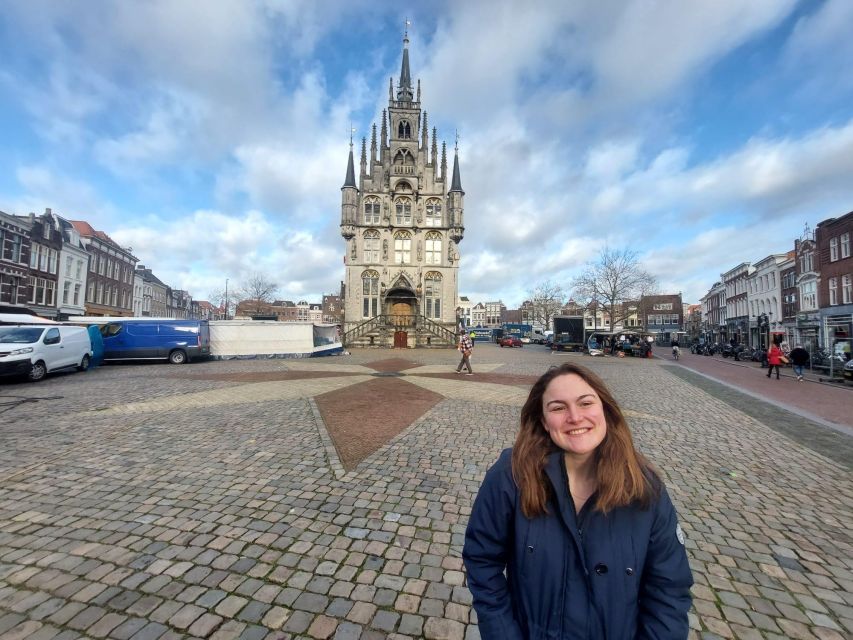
(848,371)
(525,340)
(511,341)
(177,341)
(36,350)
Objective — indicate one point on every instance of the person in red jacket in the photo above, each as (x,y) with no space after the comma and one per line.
(774,359)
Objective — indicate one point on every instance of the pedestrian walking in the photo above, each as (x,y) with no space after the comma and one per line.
(774,359)
(799,359)
(573,534)
(466,346)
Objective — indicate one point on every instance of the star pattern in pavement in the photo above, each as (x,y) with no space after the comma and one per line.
(361,407)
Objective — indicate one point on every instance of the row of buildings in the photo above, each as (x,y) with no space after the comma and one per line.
(329,311)
(58,268)
(803,295)
(663,316)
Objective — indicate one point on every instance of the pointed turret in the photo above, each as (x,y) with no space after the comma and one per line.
(455,200)
(419,90)
(444,161)
(404,87)
(349,198)
(456,183)
(434,146)
(384,135)
(373,145)
(350,179)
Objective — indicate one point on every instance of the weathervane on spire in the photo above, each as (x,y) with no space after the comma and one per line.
(351,131)
(457,140)
(406,30)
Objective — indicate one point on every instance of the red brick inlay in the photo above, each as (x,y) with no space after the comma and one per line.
(363,417)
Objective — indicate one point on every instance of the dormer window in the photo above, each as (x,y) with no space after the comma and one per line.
(404,130)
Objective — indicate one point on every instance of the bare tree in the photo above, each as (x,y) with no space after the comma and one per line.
(547,299)
(223,300)
(258,291)
(613,279)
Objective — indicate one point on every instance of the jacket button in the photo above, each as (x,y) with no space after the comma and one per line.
(601,569)
(629,571)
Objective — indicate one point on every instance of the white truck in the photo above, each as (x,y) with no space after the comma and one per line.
(36,350)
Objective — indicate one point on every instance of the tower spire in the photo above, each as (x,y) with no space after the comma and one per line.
(373,145)
(384,137)
(404,87)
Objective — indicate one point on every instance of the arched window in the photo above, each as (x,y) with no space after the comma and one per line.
(404,163)
(433,212)
(371,210)
(404,130)
(403,208)
(433,248)
(432,294)
(371,245)
(402,247)
(370,293)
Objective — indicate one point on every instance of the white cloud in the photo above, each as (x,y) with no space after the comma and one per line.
(71,198)
(574,119)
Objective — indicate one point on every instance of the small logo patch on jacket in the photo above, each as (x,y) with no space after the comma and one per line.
(679,533)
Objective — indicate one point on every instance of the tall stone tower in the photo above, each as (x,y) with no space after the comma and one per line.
(402,227)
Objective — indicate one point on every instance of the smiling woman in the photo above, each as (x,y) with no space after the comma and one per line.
(573,520)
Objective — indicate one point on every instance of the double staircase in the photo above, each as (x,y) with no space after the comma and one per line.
(386,330)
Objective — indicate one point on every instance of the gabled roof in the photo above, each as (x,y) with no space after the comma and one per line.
(88,231)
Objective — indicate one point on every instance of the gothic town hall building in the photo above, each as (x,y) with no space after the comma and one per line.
(402,226)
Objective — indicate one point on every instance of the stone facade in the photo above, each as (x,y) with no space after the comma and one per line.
(403,221)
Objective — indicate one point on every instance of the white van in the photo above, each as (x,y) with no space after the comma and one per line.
(36,350)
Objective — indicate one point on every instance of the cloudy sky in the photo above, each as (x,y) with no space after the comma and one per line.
(212,136)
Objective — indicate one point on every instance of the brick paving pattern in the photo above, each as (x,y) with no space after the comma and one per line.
(213,501)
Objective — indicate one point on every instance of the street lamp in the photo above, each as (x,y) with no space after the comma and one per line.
(226,298)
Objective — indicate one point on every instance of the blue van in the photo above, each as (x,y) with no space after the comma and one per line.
(177,341)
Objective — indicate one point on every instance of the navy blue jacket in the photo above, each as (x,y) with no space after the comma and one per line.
(623,576)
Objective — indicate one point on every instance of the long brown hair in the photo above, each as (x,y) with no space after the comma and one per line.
(623,475)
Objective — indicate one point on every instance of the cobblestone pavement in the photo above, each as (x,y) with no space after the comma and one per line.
(210,501)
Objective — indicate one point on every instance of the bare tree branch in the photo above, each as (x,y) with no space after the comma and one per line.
(613,279)
(217,297)
(259,290)
(547,299)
